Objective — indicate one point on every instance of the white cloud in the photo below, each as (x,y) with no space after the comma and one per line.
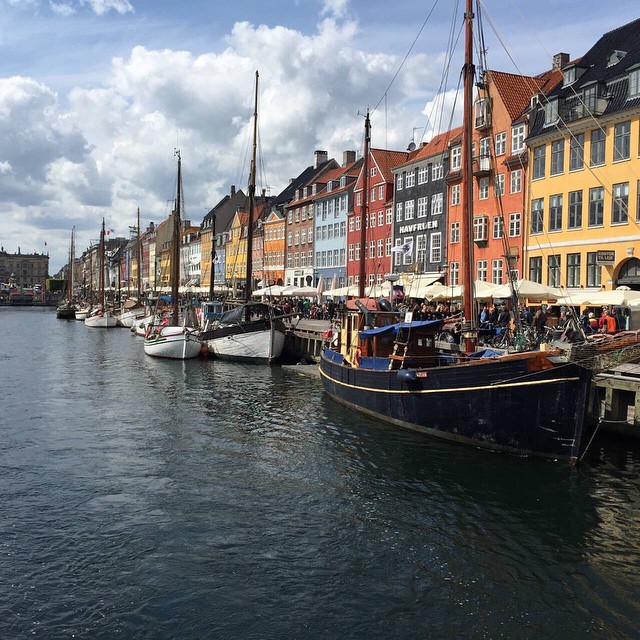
(62,8)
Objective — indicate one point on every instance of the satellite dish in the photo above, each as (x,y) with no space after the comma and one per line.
(412,146)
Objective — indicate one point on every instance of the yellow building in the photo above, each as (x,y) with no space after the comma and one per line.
(584,170)
(236,248)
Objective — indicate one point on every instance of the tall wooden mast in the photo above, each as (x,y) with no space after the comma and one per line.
(252,193)
(365,207)
(175,256)
(139,250)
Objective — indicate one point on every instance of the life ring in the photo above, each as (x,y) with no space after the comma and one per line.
(356,357)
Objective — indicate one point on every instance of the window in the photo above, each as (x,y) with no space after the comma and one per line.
(454,235)
(516,181)
(496,271)
(480,228)
(454,273)
(351,253)
(535,269)
(537,215)
(553,271)
(517,138)
(352,221)
(289,239)
(555,212)
(408,256)
(374,171)
(372,220)
(357,251)
(622,141)
(481,269)
(381,192)
(380,245)
(410,178)
(594,270)
(372,248)
(620,205)
(455,195)
(498,185)
(372,195)
(389,215)
(358,223)
(498,228)
(435,255)
(596,207)
(409,209)
(423,174)
(399,206)
(597,147)
(501,143)
(437,171)
(297,217)
(483,114)
(575,210)
(573,270)
(359,198)
(380,218)
(485,149)
(436,204)
(456,158)
(421,250)
(399,181)
(387,247)
(539,157)
(397,255)
(551,111)
(423,207)
(576,152)
(557,157)
(515,222)
(483,188)
(634,83)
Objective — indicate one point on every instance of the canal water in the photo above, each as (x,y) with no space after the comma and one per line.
(142,498)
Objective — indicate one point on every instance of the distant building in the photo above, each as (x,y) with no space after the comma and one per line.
(25,269)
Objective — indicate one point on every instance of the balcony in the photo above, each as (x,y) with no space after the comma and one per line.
(482,166)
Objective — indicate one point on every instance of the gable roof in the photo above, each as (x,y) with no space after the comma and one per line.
(437,145)
(225,210)
(516,90)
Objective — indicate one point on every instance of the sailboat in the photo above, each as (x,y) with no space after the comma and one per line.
(133,309)
(101,318)
(174,340)
(252,331)
(391,368)
(66,310)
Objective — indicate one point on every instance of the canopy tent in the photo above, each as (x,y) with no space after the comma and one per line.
(274,290)
(414,283)
(597,298)
(528,289)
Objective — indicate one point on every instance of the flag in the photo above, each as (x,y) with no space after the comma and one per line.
(110,231)
(405,249)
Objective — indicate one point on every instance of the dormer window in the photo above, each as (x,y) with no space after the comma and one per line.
(551,111)
(634,83)
(330,185)
(297,194)
(568,76)
(615,57)
(343,182)
(374,171)
(306,192)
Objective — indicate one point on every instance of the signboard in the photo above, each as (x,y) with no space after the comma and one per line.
(605,257)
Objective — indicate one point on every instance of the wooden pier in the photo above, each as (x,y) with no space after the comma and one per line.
(616,399)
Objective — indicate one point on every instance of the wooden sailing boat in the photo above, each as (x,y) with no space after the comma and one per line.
(101,318)
(251,331)
(530,403)
(67,308)
(174,340)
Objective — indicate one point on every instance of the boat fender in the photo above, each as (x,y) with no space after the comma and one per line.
(147,333)
(356,357)
(406,375)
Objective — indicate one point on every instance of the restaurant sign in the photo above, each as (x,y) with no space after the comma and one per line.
(606,257)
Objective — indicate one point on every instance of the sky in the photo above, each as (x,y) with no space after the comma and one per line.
(95,95)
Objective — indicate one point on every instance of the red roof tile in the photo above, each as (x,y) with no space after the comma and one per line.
(516,90)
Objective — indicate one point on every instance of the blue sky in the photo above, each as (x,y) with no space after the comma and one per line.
(95,94)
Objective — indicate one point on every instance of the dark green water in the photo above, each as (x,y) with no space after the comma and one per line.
(141,498)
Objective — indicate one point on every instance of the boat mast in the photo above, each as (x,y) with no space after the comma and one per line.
(466,226)
(175,258)
(101,281)
(365,206)
(213,257)
(252,191)
(72,259)
(139,247)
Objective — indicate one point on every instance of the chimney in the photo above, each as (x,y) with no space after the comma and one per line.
(320,158)
(233,189)
(560,60)
(348,157)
